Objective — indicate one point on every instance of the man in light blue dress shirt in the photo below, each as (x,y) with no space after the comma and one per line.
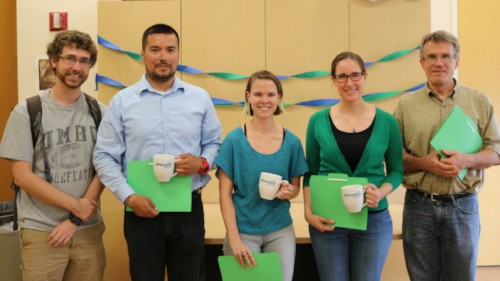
(160,114)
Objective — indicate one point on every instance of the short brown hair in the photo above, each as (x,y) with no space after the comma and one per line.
(80,40)
(347,55)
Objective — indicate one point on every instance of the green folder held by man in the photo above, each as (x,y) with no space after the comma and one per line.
(172,196)
(326,200)
(458,132)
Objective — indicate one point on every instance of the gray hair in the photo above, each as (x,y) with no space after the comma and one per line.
(440,36)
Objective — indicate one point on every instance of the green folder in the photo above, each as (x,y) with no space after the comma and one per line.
(458,132)
(268,268)
(326,200)
(172,196)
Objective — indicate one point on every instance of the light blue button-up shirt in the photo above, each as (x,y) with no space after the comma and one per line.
(141,121)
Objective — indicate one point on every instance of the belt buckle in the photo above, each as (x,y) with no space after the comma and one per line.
(432,198)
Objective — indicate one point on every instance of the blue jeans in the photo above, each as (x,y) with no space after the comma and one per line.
(440,240)
(347,254)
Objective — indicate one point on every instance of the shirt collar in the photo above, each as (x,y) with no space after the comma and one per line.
(431,94)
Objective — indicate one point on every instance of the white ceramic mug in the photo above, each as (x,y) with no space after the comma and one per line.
(353,197)
(269,184)
(164,167)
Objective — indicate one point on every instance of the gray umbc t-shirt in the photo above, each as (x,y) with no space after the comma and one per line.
(69,135)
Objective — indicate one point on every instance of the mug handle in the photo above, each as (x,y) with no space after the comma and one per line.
(364,196)
(282,182)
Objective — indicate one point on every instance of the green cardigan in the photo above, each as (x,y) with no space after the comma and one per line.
(384,146)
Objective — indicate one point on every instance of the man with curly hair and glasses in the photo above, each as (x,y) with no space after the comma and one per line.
(57,201)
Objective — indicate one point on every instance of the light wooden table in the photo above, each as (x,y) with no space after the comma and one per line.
(215,229)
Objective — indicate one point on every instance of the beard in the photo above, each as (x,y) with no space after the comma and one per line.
(67,80)
(158,76)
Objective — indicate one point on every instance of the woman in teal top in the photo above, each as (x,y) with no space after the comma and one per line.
(254,224)
(360,140)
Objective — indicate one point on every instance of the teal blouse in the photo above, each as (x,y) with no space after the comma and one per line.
(243,166)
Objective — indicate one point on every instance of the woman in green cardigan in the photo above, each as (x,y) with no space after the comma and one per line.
(360,140)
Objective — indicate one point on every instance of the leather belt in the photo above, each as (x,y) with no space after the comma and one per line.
(444,198)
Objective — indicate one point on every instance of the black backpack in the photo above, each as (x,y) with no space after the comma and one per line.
(34,105)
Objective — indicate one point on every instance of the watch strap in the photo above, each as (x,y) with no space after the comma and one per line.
(75,220)
(204,167)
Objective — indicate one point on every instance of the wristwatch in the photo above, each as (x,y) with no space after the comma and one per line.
(75,220)
(204,167)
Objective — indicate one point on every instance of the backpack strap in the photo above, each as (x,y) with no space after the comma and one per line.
(16,188)
(34,105)
(94,109)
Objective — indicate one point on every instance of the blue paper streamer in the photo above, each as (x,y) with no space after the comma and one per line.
(231,76)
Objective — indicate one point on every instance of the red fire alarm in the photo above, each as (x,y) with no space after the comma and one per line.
(58,21)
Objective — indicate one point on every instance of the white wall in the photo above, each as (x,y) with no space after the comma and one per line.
(444,15)
(34,35)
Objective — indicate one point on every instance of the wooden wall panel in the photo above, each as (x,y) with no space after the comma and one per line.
(304,36)
(223,36)
(479,68)
(379,28)
(123,23)
(8,86)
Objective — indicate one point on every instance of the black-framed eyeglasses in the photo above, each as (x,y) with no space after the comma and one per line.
(355,76)
(71,60)
(433,58)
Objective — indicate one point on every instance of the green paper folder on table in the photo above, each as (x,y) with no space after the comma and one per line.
(268,268)
(458,132)
(326,200)
(172,196)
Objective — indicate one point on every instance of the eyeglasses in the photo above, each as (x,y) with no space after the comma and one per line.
(356,76)
(71,60)
(432,58)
